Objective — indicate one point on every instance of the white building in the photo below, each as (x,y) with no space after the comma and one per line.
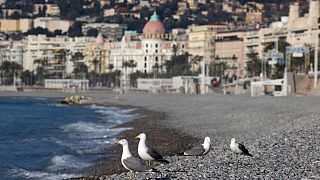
(52,23)
(56,51)
(11,51)
(112,31)
(149,51)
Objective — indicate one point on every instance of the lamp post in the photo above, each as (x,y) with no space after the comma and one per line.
(316,51)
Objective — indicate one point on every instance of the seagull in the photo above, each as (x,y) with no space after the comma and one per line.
(130,162)
(239,148)
(199,150)
(147,153)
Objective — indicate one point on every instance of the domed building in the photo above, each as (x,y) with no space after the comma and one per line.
(154,27)
(149,50)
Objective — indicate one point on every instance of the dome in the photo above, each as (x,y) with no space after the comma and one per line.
(154,25)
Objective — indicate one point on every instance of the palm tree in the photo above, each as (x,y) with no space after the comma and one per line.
(10,70)
(110,67)
(41,70)
(79,67)
(125,65)
(95,62)
(80,71)
(254,65)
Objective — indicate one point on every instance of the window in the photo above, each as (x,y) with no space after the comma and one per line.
(145,65)
(156,58)
(156,45)
(146,45)
(156,50)
(147,51)
(145,58)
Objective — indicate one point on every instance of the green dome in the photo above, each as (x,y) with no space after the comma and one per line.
(155,17)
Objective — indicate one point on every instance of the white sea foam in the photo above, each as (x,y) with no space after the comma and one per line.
(83,127)
(24,174)
(62,162)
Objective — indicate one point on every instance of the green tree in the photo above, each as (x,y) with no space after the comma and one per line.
(178,66)
(41,70)
(80,71)
(27,77)
(254,64)
(282,45)
(9,70)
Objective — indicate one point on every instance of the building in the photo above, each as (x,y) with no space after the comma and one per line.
(95,57)
(182,7)
(146,52)
(201,40)
(111,31)
(8,12)
(12,51)
(229,48)
(48,9)
(303,30)
(253,17)
(52,23)
(296,30)
(53,52)
(9,25)
(109,12)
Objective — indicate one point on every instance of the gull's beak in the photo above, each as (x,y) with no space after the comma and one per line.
(117,142)
(137,137)
(210,142)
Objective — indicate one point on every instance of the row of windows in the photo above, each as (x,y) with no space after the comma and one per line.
(156,45)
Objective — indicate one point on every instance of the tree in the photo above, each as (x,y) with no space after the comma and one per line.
(178,65)
(254,64)
(27,77)
(9,70)
(80,70)
(75,30)
(279,67)
(93,32)
(41,70)
(38,30)
(15,15)
(95,62)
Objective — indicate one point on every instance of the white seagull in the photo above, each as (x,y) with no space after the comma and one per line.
(199,150)
(146,153)
(238,148)
(130,162)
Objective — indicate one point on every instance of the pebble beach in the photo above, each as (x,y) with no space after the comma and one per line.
(282,133)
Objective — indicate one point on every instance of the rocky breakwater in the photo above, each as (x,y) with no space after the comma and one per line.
(76,100)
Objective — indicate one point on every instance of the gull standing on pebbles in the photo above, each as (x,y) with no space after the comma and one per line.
(199,150)
(239,148)
(146,153)
(130,162)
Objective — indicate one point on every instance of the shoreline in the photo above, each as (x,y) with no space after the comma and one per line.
(280,132)
(151,122)
(158,137)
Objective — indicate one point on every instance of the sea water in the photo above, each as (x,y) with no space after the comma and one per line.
(40,139)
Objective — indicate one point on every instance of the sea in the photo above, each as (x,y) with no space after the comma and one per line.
(40,139)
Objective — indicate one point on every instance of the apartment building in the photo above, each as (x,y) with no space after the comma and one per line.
(111,31)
